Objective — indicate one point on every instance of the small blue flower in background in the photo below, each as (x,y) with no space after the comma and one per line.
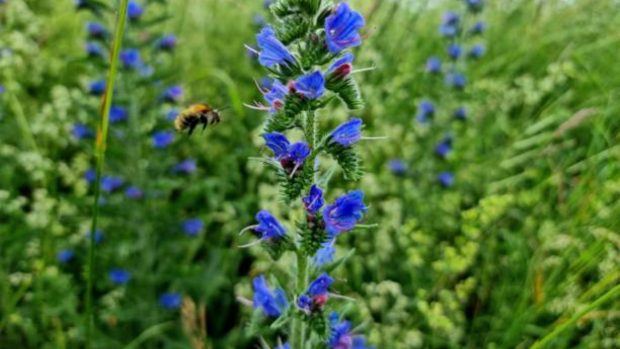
(272,302)
(81,131)
(162,139)
(268,226)
(311,86)
(170,300)
(284,346)
(134,10)
(477,51)
(460,113)
(193,226)
(344,213)
(64,256)
(130,58)
(2,89)
(146,70)
(450,25)
(90,175)
(111,183)
(94,49)
(119,276)
(456,80)
(96,30)
(314,201)
(475,5)
(446,179)
(454,51)
(347,133)
(117,114)
(186,166)
(259,21)
(325,254)
(444,147)
(268,3)
(275,96)
(98,236)
(97,88)
(134,192)
(172,114)
(433,65)
(173,94)
(397,167)
(342,67)
(167,42)
(272,51)
(426,110)
(478,28)
(342,28)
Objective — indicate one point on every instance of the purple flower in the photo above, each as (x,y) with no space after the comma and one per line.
(97,88)
(90,175)
(94,49)
(347,133)
(454,51)
(477,51)
(162,139)
(342,28)
(325,254)
(134,192)
(444,147)
(314,201)
(478,28)
(96,30)
(273,302)
(117,114)
(275,96)
(193,227)
(119,276)
(186,166)
(460,113)
(272,51)
(64,256)
(130,58)
(450,24)
(311,86)
(321,285)
(291,156)
(134,10)
(81,131)
(285,345)
(433,65)
(426,110)
(341,67)
(446,179)
(340,337)
(170,300)
(173,94)
(344,213)
(397,167)
(167,42)
(97,236)
(456,80)
(268,226)
(111,183)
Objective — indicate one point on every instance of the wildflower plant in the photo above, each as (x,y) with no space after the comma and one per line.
(308,54)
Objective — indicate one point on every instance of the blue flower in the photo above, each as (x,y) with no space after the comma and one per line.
(450,25)
(94,49)
(134,10)
(273,302)
(259,21)
(278,143)
(291,156)
(173,94)
(186,166)
(285,345)
(162,139)
(272,51)
(268,3)
(342,28)
(340,336)
(111,183)
(96,30)
(130,58)
(344,213)
(81,131)
(119,276)
(172,113)
(193,227)
(2,89)
(341,67)
(134,192)
(477,51)
(314,201)
(170,300)
(347,133)
(444,147)
(478,28)
(167,42)
(90,175)
(317,294)
(433,65)
(397,167)
(460,113)
(305,302)
(321,285)
(311,86)
(475,5)
(446,179)
(426,110)
(456,80)
(454,51)
(360,343)
(325,254)
(97,236)
(275,96)
(97,88)
(268,226)
(117,114)
(64,256)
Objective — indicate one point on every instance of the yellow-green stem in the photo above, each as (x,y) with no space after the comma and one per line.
(298,327)
(100,149)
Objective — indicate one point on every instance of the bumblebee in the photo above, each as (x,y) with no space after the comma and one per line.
(196,114)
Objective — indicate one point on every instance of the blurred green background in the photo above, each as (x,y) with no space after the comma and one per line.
(526,239)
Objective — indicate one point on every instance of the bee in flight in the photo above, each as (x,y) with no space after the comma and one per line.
(196,114)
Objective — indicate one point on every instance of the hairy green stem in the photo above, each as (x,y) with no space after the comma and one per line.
(100,146)
(298,327)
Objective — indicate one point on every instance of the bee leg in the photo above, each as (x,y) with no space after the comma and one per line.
(191,130)
(204,127)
